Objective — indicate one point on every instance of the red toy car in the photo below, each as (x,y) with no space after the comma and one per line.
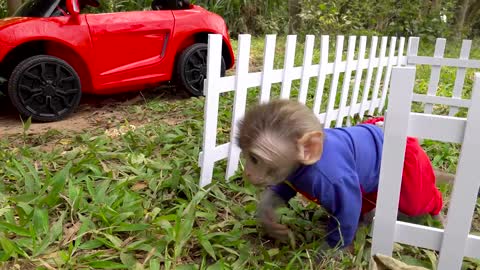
(50,53)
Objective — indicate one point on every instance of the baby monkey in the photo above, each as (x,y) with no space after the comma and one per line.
(287,150)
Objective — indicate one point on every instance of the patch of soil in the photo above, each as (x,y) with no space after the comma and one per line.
(93,112)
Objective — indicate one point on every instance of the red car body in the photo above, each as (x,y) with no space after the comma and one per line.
(113,52)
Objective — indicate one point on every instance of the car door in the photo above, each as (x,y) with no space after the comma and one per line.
(129,46)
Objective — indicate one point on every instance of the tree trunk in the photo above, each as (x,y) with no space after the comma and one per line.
(436,5)
(13,5)
(472,13)
(461,15)
(293,11)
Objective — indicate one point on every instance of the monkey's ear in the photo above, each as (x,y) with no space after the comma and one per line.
(310,147)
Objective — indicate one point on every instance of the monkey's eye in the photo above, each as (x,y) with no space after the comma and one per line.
(253,159)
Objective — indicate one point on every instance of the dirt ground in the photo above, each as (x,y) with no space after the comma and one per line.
(93,112)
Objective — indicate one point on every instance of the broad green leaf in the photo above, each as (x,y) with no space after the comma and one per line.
(27,124)
(4,210)
(34,173)
(11,247)
(272,252)
(53,233)
(207,246)
(107,265)
(40,221)
(8,248)
(131,227)
(137,159)
(57,183)
(186,267)
(75,194)
(10,228)
(26,177)
(91,244)
(128,259)
(94,168)
(432,257)
(117,243)
(154,264)
(410,260)
(159,165)
(219,265)
(232,251)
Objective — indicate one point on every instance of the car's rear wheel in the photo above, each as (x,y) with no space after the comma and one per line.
(3,88)
(44,88)
(192,68)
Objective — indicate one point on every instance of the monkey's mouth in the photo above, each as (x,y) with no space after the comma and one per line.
(264,185)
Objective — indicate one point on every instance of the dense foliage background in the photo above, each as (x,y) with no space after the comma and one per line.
(393,17)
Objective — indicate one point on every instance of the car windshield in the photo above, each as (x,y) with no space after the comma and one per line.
(36,8)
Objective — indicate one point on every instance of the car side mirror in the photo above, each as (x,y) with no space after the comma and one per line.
(73,7)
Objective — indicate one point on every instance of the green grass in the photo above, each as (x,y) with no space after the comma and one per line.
(97,201)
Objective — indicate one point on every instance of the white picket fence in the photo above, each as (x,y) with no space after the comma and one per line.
(242,80)
(367,99)
(455,241)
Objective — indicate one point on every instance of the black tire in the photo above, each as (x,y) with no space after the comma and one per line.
(192,69)
(3,89)
(3,85)
(45,88)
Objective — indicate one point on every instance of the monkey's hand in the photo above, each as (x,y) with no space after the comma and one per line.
(327,253)
(266,215)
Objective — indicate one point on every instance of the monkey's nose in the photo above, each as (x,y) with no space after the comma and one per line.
(256,182)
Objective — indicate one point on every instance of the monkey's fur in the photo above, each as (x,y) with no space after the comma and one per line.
(273,149)
(276,138)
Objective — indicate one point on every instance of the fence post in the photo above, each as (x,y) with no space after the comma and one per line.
(322,74)
(464,193)
(368,80)
(346,81)
(307,64)
(435,75)
(412,48)
(378,78)
(334,85)
(401,47)
(212,96)
(288,64)
(460,76)
(393,153)
(358,78)
(240,101)
(268,57)
(391,55)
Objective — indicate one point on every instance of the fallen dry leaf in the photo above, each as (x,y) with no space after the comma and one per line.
(139,186)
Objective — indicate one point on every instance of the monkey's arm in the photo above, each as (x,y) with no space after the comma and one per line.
(270,201)
(284,191)
(343,199)
(443,177)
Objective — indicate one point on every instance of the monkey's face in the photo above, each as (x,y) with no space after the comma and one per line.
(263,173)
(276,138)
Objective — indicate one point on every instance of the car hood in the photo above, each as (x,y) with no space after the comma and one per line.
(11,21)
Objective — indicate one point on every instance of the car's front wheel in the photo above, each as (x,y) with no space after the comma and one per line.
(192,68)
(44,88)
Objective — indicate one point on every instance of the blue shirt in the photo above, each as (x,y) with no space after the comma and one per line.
(350,162)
